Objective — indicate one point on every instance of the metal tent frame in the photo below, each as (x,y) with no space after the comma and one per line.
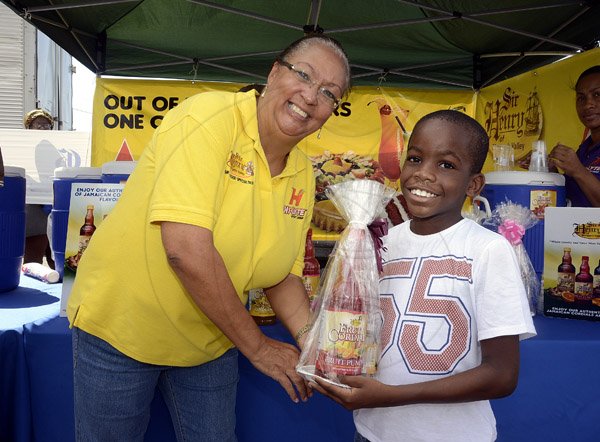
(67,22)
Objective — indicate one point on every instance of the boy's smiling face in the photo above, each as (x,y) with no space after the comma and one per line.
(437,176)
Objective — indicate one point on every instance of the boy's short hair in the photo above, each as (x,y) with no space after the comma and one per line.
(480,145)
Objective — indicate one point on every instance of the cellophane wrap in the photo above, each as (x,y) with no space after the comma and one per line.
(346,320)
(511,220)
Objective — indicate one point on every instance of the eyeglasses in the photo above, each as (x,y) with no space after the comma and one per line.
(325,94)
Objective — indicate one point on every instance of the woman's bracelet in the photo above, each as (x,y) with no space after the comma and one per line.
(302,331)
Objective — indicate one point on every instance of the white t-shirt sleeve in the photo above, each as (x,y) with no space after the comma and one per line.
(501,302)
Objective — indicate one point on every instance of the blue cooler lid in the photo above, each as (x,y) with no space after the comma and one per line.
(83,173)
(515,177)
(118,167)
(14,171)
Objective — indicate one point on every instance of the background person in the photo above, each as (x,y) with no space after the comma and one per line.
(37,245)
(219,203)
(582,167)
(453,302)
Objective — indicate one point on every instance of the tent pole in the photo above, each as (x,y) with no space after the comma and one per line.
(246,14)
(207,63)
(64,25)
(100,62)
(313,17)
(78,5)
(529,54)
(537,45)
(188,59)
(524,33)
(392,24)
(477,65)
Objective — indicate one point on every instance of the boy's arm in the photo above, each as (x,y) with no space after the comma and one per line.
(496,377)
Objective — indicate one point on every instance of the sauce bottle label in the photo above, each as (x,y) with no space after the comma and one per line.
(342,343)
(311,285)
(583,291)
(565,282)
(596,289)
(259,303)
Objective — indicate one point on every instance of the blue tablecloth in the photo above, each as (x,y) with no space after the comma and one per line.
(556,400)
(262,405)
(32,302)
(558,395)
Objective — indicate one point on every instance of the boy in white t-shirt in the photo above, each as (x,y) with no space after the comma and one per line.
(453,303)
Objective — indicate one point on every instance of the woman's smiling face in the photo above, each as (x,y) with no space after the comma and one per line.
(437,175)
(298,107)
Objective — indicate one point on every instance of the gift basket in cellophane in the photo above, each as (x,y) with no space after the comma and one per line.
(346,321)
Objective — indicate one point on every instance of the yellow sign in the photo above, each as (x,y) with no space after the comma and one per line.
(367,135)
(536,105)
(363,139)
(126,112)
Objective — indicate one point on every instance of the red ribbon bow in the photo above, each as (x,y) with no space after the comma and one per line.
(378,229)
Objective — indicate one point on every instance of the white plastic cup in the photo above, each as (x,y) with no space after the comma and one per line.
(539,157)
(504,157)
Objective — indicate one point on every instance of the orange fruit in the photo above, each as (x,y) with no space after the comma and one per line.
(568,296)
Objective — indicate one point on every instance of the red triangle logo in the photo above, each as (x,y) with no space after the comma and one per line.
(124,153)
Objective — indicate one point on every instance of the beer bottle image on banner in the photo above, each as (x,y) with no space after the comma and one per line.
(87,229)
(260,309)
(312,270)
(584,281)
(566,274)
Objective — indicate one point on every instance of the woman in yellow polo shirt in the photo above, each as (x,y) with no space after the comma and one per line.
(219,203)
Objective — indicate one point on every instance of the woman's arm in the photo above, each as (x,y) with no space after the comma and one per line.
(290,304)
(201,270)
(566,159)
(496,377)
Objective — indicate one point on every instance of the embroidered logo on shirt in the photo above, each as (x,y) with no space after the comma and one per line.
(292,208)
(239,169)
(594,167)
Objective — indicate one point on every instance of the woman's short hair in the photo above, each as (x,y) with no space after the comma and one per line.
(329,42)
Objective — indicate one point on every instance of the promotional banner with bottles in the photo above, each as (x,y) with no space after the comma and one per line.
(365,138)
(90,204)
(572,262)
(538,105)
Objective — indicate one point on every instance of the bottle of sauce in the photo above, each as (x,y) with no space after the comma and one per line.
(87,230)
(596,289)
(566,274)
(312,270)
(584,281)
(260,309)
(345,325)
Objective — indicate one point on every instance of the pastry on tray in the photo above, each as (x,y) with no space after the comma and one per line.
(327,217)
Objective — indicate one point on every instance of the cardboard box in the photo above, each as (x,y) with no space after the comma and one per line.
(576,293)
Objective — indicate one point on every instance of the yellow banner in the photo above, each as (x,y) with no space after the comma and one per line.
(536,105)
(365,138)
(126,112)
